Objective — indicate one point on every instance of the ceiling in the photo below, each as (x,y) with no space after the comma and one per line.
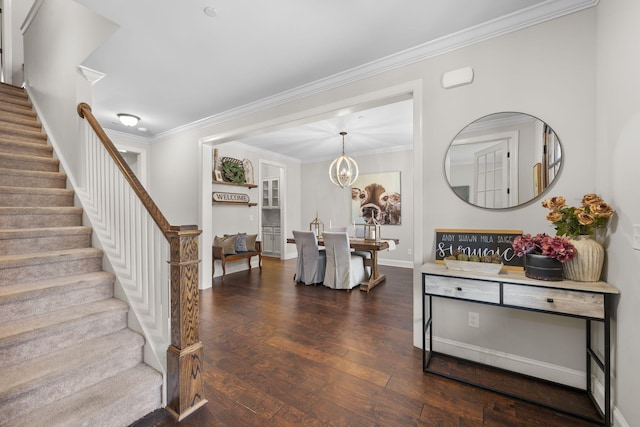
(172,64)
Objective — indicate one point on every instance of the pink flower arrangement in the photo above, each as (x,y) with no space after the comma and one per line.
(554,247)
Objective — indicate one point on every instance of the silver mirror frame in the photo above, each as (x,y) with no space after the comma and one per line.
(503,160)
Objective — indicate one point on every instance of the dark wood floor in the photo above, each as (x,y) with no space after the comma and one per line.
(280,354)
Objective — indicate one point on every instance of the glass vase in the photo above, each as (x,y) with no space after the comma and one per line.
(587,264)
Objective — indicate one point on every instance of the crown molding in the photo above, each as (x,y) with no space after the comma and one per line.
(127,136)
(536,14)
(256,150)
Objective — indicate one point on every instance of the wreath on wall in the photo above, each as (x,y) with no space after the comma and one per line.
(233,170)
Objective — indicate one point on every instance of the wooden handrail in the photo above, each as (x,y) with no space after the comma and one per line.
(185,370)
(84,110)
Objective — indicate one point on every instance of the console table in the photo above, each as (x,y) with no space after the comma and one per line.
(590,301)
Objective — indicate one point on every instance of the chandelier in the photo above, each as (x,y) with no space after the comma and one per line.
(343,170)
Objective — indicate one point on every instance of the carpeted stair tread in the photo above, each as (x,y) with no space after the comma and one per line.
(26,148)
(23,291)
(23,161)
(22,116)
(29,134)
(24,217)
(34,197)
(24,330)
(12,122)
(38,258)
(117,401)
(17,91)
(34,190)
(67,357)
(27,233)
(29,240)
(30,178)
(22,108)
(21,268)
(50,294)
(31,139)
(42,370)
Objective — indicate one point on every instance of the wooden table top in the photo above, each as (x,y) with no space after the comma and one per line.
(361,244)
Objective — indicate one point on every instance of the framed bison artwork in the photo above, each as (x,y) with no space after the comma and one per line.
(376,195)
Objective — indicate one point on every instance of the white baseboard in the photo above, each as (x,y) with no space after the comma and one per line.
(618,419)
(598,395)
(512,362)
(535,368)
(395,263)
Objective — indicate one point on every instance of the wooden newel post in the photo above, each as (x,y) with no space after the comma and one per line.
(185,386)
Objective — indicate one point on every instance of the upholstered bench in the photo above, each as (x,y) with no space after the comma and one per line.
(236,247)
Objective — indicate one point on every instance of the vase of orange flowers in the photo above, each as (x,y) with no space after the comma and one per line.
(580,224)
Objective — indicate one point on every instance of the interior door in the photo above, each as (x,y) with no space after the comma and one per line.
(491,176)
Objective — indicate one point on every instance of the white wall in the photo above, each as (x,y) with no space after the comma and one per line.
(333,204)
(14,13)
(548,71)
(51,73)
(138,150)
(617,175)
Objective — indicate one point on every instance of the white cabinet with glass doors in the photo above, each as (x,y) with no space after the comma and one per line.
(271,193)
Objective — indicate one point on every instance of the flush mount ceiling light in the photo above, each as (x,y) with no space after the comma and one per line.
(343,170)
(128,119)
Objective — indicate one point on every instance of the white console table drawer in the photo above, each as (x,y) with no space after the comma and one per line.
(556,300)
(474,290)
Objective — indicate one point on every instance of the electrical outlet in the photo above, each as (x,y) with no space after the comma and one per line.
(474,319)
(410,251)
(250,217)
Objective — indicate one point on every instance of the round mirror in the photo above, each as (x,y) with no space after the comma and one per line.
(503,160)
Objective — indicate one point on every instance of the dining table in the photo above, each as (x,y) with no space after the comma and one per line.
(371,246)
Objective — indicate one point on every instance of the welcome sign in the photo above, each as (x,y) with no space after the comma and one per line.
(230,197)
(480,243)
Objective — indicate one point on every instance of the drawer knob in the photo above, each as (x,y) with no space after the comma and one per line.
(459,289)
(550,300)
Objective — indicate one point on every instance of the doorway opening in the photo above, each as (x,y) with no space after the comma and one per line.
(297,217)
(272,205)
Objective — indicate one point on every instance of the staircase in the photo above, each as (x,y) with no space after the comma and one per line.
(66,355)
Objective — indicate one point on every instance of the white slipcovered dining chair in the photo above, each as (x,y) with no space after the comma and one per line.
(345,270)
(311,260)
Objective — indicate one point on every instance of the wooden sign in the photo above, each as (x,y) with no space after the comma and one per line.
(478,242)
(219,196)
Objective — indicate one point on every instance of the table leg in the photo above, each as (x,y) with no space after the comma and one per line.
(376,277)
